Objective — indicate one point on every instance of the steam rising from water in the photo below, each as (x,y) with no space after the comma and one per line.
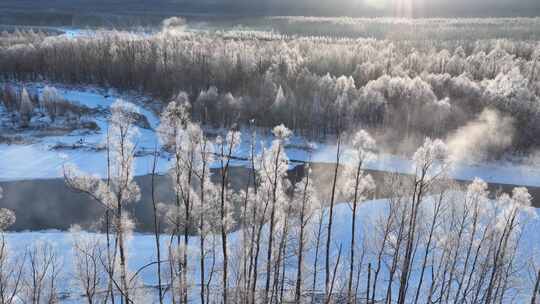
(489,134)
(174,25)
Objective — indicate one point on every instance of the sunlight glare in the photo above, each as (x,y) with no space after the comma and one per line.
(403,8)
(378,4)
(399,8)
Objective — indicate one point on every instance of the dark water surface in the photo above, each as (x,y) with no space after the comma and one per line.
(50,204)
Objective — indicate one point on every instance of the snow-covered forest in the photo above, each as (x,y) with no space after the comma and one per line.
(402,90)
(191,105)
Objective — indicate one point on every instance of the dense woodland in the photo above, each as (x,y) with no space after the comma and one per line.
(400,89)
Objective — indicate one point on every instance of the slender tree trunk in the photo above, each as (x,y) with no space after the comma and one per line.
(331,218)
(108,228)
(202,265)
(157,229)
(282,290)
(224,241)
(212,268)
(536,288)
(271,228)
(379,256)
(353,234)
(223,213)
(256,265)
(257,254)
(188,221)
(177,232)
(315,262)
(245,249)
(428,248)
(202,232)
(298,291)
(110,264)
(408,260)
(358,273)
(280,257)
(499,254)
(334,275)
(395,259)
(253,221)
(368,284)
(468,254)
(121,248)
(474,266)
(455,259)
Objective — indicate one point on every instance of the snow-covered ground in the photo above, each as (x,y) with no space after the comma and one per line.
(38,161)
(142,247)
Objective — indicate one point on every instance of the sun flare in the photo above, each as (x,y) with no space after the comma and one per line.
(399,8)
(402,8)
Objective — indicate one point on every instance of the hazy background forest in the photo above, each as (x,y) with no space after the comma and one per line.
(319,76)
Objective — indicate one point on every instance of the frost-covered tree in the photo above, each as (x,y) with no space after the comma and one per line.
(430,161)
(357,185)
(9,98)
(42,274)
(182,138)
(194,192)
(208,104)
(11,267)
(226,147)
(26,108)
(7,217)
(117,191)
(279,107)
(89,274)
(272,170)
(50,98)
(507,222)
(157,228)
(204,211)
(329,281)
(305,202)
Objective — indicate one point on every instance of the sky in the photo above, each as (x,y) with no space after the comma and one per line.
(433,8)
(366,8)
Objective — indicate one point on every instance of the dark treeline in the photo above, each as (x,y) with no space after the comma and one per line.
(315,85)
